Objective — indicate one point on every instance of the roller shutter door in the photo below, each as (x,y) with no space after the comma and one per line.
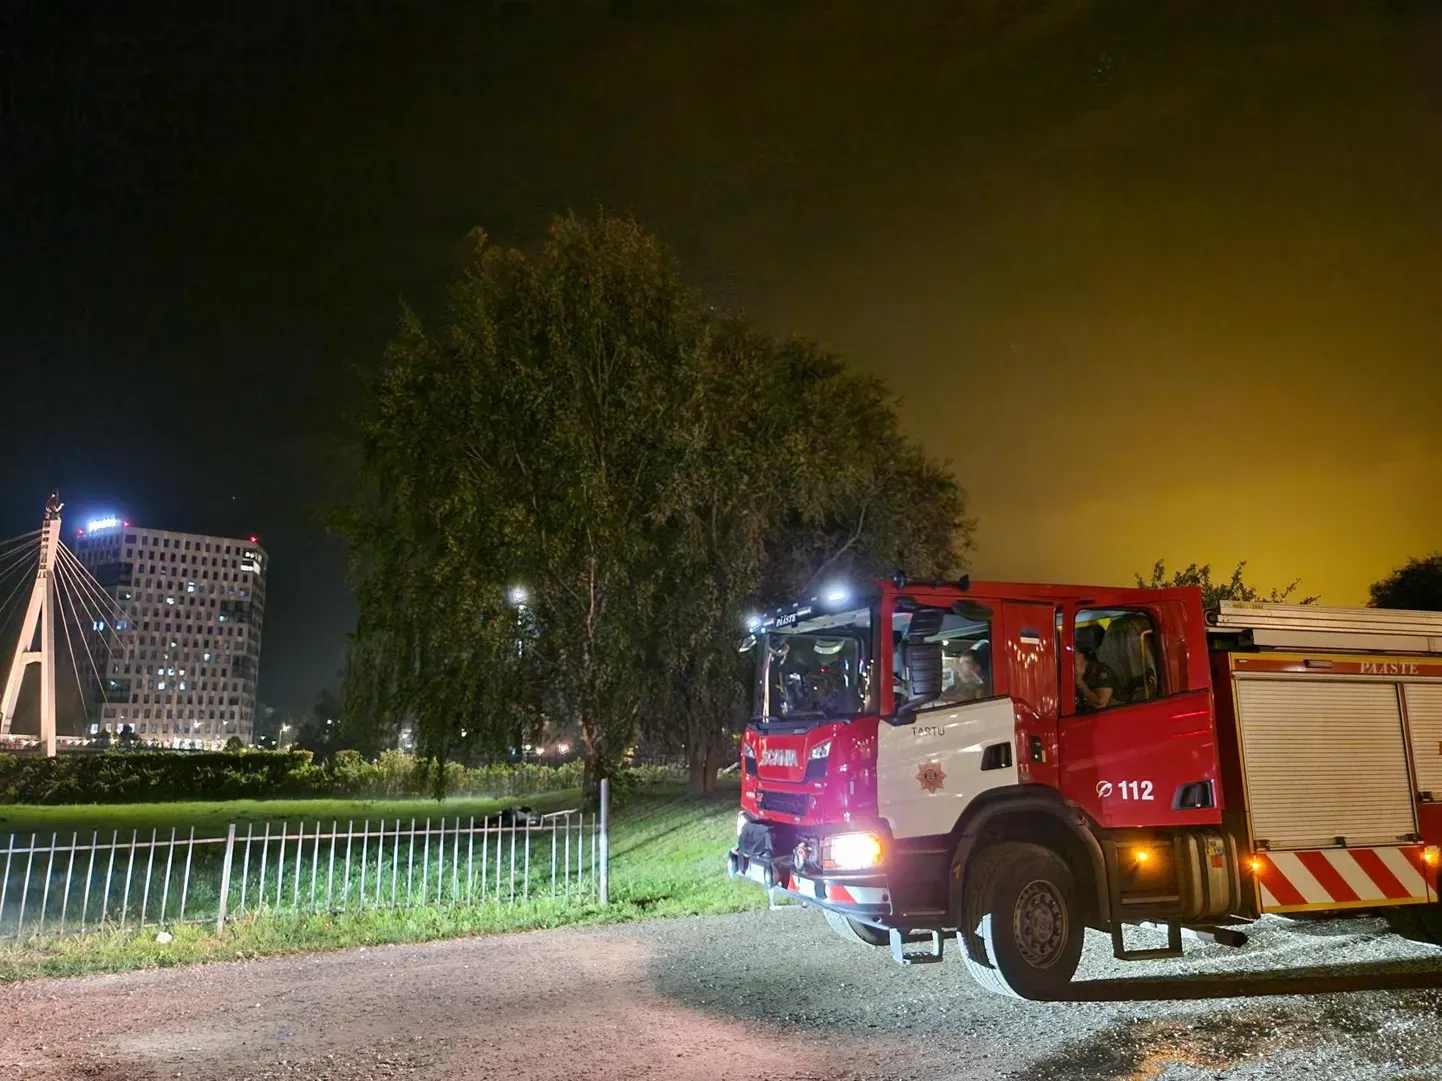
(1324,760)
(1424,717)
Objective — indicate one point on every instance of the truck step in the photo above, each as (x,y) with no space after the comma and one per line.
(779,901)
(1173,948)
(929,954)
(1221,936)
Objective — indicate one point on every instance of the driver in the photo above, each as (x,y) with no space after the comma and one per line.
(1096,684)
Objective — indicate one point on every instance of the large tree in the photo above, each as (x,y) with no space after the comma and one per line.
(1415,586)
(791,468)
(573,487)
(1234,588)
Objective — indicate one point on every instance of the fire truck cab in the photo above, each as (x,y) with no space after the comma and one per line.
(1004,765)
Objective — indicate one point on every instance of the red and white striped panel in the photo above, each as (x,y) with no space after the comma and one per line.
(1342,878)
(858,895)
(850,895)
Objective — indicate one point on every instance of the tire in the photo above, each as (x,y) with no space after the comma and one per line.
(1421,923)
(1020,927)
(860,934)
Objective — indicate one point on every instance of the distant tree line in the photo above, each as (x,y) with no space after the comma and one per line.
(1233,588)
(574,485)
(1415,586)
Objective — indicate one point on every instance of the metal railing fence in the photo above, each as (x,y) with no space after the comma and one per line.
(164,878)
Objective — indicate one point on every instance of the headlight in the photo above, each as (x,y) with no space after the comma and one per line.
(850,851)
(821,750)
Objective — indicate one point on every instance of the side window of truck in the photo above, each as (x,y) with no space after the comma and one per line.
(966,670)
(1117,659)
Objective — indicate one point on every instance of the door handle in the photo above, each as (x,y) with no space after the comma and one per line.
(997,756)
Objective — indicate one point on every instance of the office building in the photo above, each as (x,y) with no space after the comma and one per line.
(185,654)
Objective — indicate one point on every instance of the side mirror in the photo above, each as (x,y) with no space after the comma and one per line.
(923,675)
(747,644)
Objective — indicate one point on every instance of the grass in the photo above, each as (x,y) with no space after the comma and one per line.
(667,859)
(210,819)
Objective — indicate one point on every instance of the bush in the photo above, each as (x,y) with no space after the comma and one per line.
(161,776)
(396,774)
(146,776)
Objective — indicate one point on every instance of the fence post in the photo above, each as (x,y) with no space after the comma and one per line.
(225,877)
(605,841)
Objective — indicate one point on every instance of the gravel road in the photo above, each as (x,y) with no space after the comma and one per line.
(761,995)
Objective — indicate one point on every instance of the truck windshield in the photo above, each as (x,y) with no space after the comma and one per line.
(815,670)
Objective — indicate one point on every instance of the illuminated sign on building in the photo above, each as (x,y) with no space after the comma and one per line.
(97,524)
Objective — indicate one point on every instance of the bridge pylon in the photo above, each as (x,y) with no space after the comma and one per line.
(36,644)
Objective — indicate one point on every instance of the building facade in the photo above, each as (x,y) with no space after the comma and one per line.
(183,661)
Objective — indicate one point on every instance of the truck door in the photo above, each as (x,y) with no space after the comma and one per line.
(1138,739)
(1029,651)
(932,763)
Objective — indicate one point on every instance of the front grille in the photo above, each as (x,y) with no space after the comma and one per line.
(787,803)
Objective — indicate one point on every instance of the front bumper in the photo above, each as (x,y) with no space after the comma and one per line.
(861,898)
(866,898)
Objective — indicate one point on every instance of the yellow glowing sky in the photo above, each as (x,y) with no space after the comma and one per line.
(1199,318)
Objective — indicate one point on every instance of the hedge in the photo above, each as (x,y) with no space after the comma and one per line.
(159,776)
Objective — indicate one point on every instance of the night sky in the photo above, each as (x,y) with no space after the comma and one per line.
(1160,279)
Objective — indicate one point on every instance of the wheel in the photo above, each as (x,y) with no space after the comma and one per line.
(1020,927)
(1422,923)
(862,934)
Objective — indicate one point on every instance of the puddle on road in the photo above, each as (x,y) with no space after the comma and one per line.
(1141,1050)
(1403,1043)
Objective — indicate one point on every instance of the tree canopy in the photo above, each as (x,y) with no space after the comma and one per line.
(1415,586)
(1234,588)
(574,485)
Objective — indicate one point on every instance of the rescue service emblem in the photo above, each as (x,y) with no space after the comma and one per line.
(930,777)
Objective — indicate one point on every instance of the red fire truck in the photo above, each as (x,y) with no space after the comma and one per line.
(1011,764)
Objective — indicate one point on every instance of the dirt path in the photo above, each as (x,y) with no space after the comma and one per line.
(757,996)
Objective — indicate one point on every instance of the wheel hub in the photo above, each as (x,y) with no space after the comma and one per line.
(1039,924)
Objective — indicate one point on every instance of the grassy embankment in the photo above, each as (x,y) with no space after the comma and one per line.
(667,859)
